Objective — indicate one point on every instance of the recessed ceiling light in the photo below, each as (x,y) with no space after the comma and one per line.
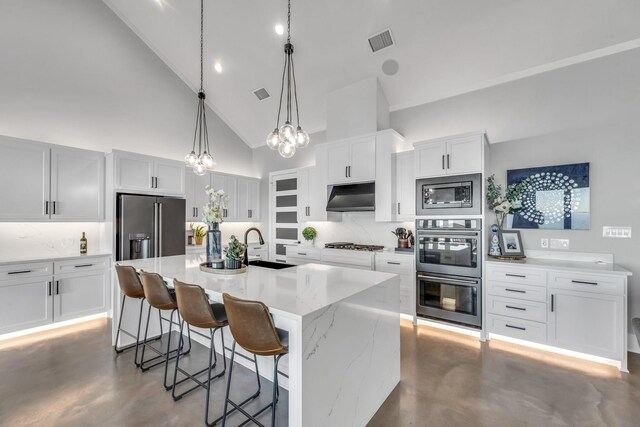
(279,29)
(218,67)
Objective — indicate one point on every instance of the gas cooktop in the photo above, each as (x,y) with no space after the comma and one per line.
(353,246)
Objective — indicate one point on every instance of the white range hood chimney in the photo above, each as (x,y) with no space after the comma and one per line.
(358,109)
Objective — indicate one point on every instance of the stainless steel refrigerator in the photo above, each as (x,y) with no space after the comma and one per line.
(149,226)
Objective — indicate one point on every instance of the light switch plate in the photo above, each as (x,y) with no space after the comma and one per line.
(560,244)
(616,232)
(544,243)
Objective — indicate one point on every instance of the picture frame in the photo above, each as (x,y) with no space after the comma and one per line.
(511,243)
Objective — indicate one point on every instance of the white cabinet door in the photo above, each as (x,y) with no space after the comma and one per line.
(133,172)
(254,200)
(77,185)
(338,160)
(303,194)
(169,177)
(464,155)
(405,187)
(430,159)
(230,186)
(243,199)
(362,166)
(24,174)
(586,322)
(25,303)
(196,197)
(77,295)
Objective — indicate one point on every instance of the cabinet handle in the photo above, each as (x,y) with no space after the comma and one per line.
(250,214)
(197,212)
(349,171)
(448,164)
(156,182)
(57,287)
(515,327)
(521,276)
(515,290)
(46,207)
(581,282)
(393,263)
(302,253)
(346,171)
(308,210)
(82,265)
(398,208)
(443,161)
(19,272)
(54,208)
(49,285)
(257,248)
(515,308)
(552,302)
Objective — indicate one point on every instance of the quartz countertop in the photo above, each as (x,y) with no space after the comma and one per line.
(295,291)
(583,266)
(49,257)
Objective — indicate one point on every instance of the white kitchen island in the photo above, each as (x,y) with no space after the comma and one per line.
(344,332)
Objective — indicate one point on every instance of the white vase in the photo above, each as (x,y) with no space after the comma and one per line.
(309,242)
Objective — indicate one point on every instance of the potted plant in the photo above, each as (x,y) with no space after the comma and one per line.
(198,233)
(213,217)
(234,253)
(309,234)
(504,204)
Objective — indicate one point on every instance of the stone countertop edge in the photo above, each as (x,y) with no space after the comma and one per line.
(50,258)
(580,266)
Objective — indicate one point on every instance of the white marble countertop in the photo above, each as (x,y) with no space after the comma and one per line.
(49,257)
(558,264)
(294,292)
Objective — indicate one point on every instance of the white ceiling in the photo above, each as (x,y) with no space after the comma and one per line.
(444,47)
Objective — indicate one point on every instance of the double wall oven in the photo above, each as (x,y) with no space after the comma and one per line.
(449,270)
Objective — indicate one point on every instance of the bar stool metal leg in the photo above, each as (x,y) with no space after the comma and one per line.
(161,357)
(119,350)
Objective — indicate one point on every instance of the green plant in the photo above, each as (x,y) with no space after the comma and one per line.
(235,250)
(199,231)
(309,233)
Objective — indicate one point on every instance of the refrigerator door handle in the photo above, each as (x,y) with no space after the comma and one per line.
(159,229)
(155,229)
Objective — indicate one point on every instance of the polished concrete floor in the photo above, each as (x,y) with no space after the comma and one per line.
(71,377)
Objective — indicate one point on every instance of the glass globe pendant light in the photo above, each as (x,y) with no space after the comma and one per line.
(202,161)
(287,138)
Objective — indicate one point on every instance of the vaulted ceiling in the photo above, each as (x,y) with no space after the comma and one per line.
(443,47)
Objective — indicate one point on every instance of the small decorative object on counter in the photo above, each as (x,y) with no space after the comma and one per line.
(83,244)
(214,213)
(494,243)
(503,205)
(234,253)
(511,244)
(403,236)
(309,234)
(199,233)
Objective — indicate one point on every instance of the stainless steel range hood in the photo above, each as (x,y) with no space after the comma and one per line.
(352,198)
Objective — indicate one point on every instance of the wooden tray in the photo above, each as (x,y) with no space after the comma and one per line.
(223,271)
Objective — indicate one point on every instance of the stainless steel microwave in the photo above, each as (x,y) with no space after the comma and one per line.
(449,195)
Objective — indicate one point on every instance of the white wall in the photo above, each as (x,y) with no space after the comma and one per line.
(72,73)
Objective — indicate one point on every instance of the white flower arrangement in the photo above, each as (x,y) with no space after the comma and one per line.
(214,210)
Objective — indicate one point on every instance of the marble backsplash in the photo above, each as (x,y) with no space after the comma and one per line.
(232,228)
(38,239)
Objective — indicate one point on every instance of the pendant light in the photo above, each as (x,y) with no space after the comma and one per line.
(286,138)
(201,162)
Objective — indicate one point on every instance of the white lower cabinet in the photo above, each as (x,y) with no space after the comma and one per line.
(581,311)
(402,265)
(32,295)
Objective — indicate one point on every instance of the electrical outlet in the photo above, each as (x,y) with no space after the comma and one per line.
(560,244)
(616,232)
(544,243)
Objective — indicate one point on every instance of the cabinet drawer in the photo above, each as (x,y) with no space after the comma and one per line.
(311,254)
(518,291)
(517,328)
(80,265)
(516,275)
(598,283)
(394,264)
(26,270)
(527,310)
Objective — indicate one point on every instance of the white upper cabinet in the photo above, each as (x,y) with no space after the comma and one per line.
(229,184)
(248,196)
(77,183)
(55,183)
(450,156)
(405,184)
(149,175)
(24,173)
(353,160)
(196,198)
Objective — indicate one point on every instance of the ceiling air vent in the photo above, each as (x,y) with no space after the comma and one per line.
(381,40)
(261,94)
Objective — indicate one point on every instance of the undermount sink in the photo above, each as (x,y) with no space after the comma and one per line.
(269,264)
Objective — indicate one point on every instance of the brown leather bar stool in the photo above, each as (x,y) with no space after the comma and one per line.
(159,296)
(131,287)
(252,327)
(198,311)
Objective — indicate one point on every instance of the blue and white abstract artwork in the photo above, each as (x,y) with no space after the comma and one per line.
(555,197)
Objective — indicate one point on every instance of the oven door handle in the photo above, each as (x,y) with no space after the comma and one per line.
(447,280)
(447,233)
